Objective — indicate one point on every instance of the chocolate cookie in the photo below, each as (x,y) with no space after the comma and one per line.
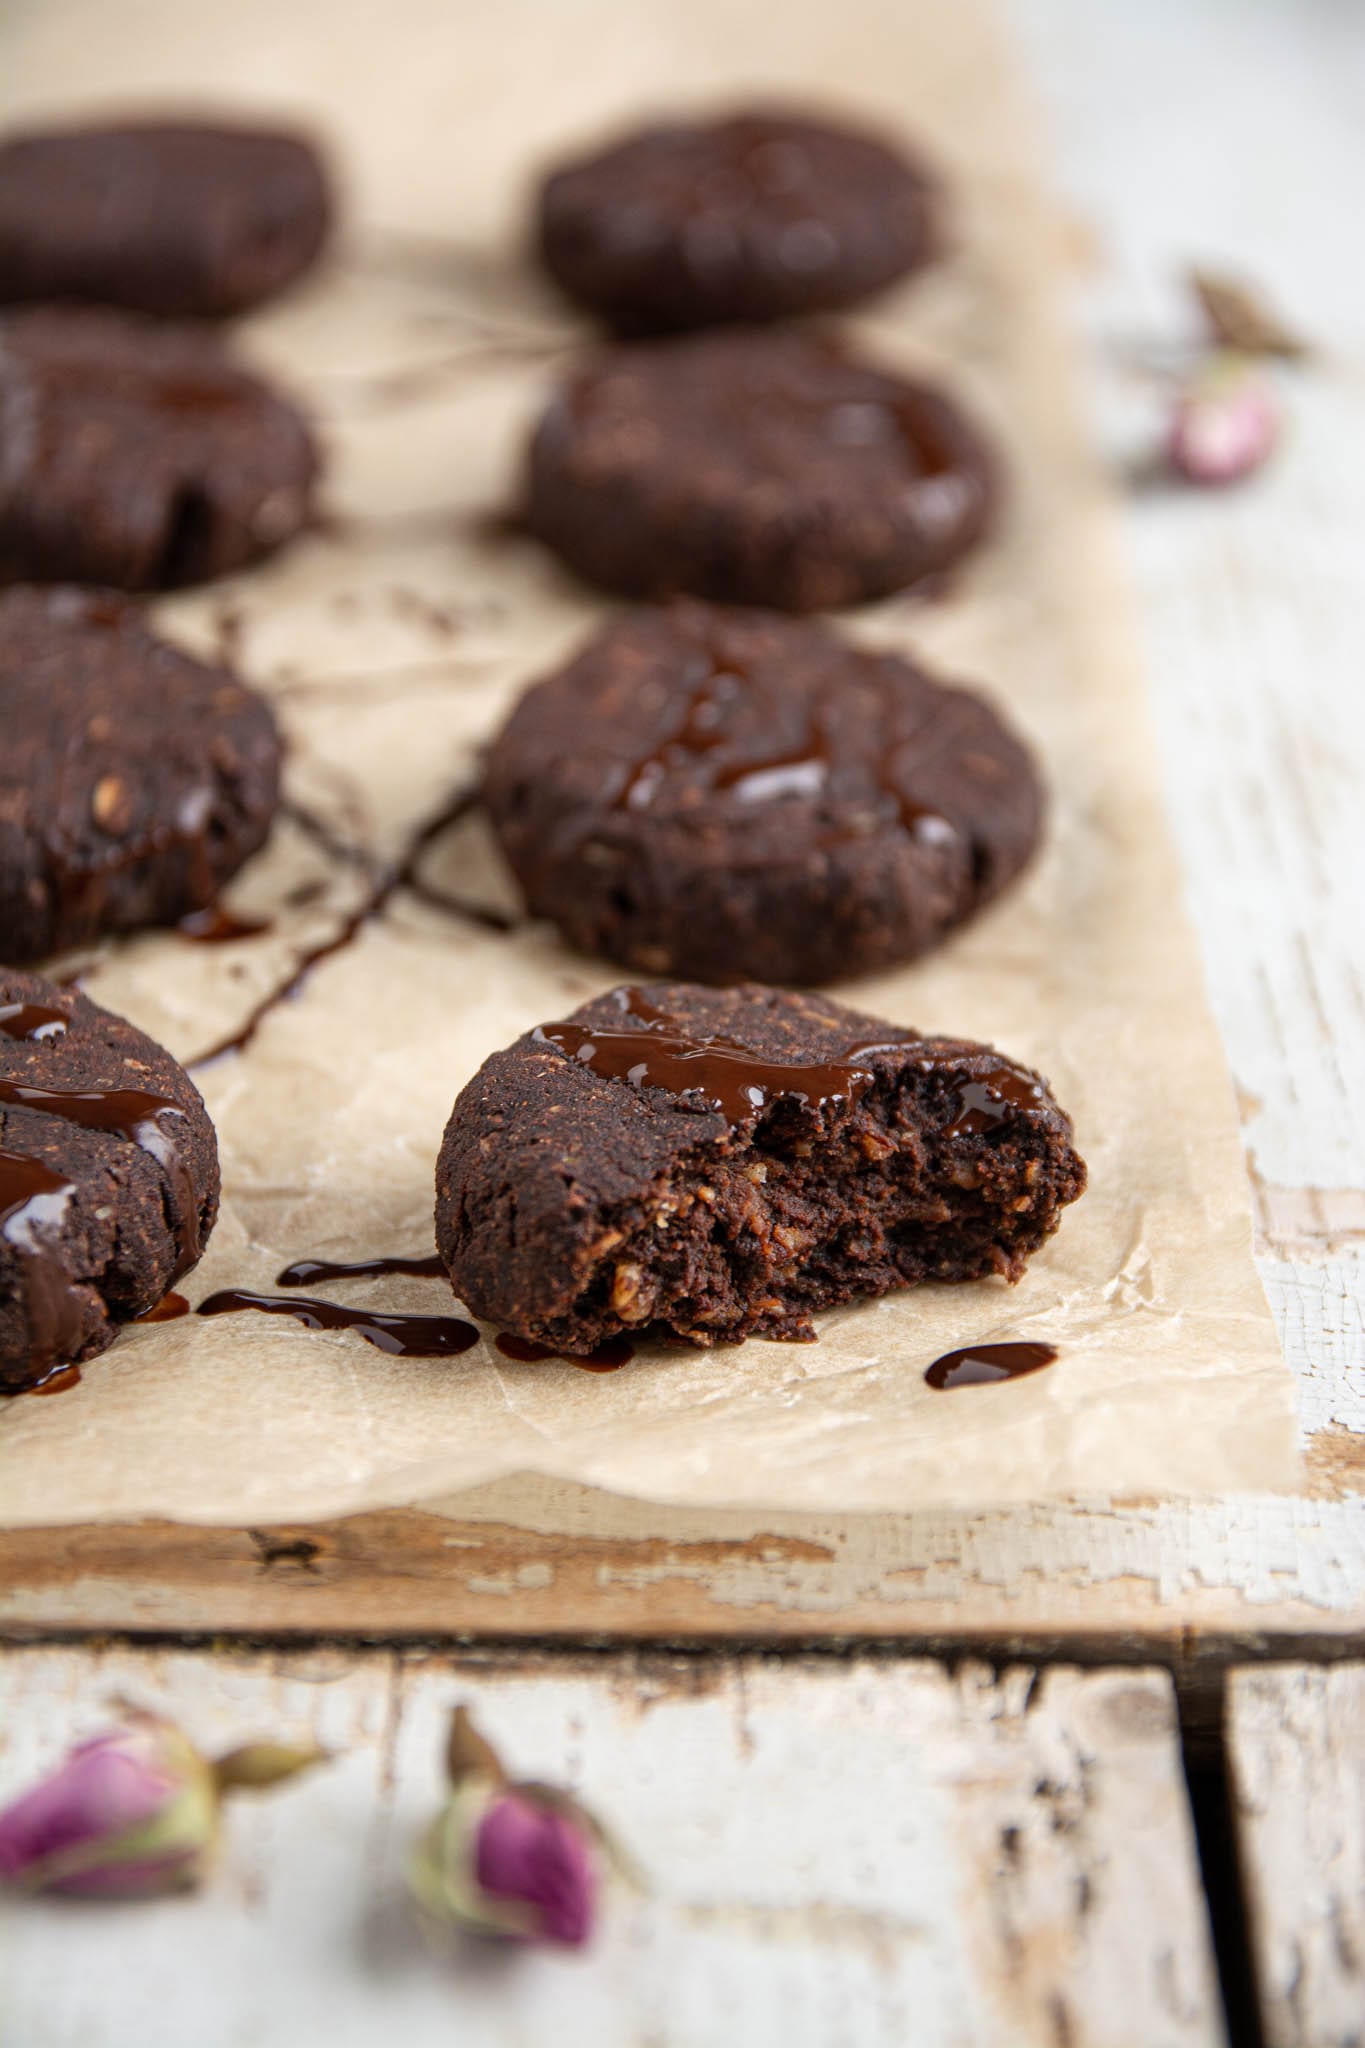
(725,1163)
(758,216)
(755,468)
(108,1176)
(179,218)
(134,781)
(139,455)
(730,795)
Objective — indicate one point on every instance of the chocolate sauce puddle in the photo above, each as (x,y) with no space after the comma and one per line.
(168,1310)
(59,1380)
(402,1336)
(650,1050)
(132,1113)
(304,1272)
(214,926)
(385,885)
(983,1365)
(608,1356)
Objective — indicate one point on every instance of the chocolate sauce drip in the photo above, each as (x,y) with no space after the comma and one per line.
(32,1020)
(135,1114)
(649,1050)
(982,1365)
(168,1310)
(403,1336)
(384,886)
(456,906)
(214,926)
(983,1103)
(33,1202)
(608,1356)
(305,1271)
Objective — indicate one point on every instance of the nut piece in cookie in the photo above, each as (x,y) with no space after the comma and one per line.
(760,215)
(731,795)
(726,1163)
(134,780)
(184,219)
(108,1177)
(755,467)
(138,454)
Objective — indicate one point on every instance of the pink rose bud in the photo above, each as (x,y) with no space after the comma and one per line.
(530,1853)
(130,1813)
(1225,423)
(514,1860)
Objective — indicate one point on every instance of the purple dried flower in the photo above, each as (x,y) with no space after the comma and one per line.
(130,1813)
(532,1853)
(1225,425)
(515,1860)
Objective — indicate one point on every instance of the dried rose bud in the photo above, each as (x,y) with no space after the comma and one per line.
(132,1812)
(1225,425)
(514,1860)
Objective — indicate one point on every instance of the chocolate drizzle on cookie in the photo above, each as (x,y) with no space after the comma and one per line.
(37,1021)
(650,1050)
(135,1114)
(700,751)
(988,1098)
(33,1202)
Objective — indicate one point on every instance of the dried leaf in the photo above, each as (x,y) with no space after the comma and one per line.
(1240,319)
(469,1754)
(255,1764)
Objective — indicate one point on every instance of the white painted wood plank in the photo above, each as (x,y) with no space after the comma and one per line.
(1296,1758)
(1227,134)
(869,1853)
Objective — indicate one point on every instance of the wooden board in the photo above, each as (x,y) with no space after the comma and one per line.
(1296,1762)
(1194,1586)
(1254,654)
(861,1853)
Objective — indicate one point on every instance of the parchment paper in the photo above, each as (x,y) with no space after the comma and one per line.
(395,639)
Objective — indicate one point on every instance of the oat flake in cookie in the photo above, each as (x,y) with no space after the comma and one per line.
(726,1163)
(761,215)
(733,794)
(134,781)
(755,467)
(108,1177)
(185,219)
(139,455)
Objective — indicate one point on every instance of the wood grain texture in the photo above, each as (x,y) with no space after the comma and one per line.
(1296,1761)
(868,1853)
(1193,1584)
